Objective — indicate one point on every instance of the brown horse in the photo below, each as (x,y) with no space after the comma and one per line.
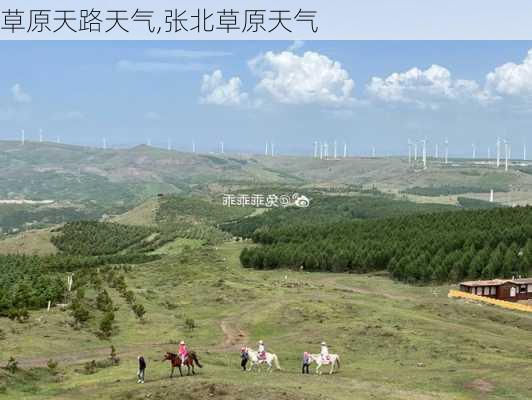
(175,360)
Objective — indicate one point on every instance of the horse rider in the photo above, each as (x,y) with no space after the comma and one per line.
(244,356)
(324,352)
(262,350)
(182,351)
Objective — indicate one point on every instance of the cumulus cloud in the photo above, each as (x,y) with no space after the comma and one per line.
(310,78)
(19,95)
(424,88)
(511,79)
(215,89)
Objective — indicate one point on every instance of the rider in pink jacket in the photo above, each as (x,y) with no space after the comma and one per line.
(182,351)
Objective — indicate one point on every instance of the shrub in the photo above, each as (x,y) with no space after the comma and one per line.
(103,301)
(115,360)
(90,367)
(12,365)
(52,366)
(21,315)
(139,310)
(80,312)
(190,324)
(106,324)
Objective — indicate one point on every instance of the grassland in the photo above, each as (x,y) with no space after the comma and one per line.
(396,341)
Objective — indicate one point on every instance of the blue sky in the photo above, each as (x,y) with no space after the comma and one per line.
(365,93)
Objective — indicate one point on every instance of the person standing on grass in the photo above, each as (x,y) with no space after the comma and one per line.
(244,358)
(306,363)
(142,369)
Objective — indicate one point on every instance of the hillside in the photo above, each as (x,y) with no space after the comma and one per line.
(395,341)
(85,182)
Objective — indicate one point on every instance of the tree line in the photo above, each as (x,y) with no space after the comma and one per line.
(436,247)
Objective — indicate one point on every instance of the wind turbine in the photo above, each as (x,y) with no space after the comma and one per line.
(498,152)
(474,151)
(104,143)
(169,144)
(345,150)
(266,149)
(507,154)
(326,150)
(415,151)
(446,151)
(193,147)
(409,152)
(40,135)
(57,139)
(23,137)
(424,141)
(315,149)
(373,152)
(524,151)
(436,151)
(335,149)
(222,147)
(321,150)
(272,145)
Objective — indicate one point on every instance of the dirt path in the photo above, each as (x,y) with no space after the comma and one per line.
(234,337)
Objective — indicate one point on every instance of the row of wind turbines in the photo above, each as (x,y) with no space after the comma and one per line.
(413,152)
(323,151)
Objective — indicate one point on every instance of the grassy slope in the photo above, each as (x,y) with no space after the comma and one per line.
(396,341)
(29,242)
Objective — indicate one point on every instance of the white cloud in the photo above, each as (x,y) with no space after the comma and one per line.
(311,78)
(19,95)
(155,66)
(71,115)
(185,54)
(511,79)
(296,45)
(424,88)
(217,90)
(153,116)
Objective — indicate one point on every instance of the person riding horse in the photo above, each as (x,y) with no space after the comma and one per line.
(262,350)
(182,351)
(324,352)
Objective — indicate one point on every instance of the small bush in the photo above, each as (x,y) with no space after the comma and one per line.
(106,324)
(90,367)
(21,315)
(52,366)
(12,365)
(113,357)
(190,324)
(139,310)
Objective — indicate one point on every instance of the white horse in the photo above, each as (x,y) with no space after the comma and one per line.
(270,359)
(332,359)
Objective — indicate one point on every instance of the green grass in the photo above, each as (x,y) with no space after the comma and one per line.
(395,341)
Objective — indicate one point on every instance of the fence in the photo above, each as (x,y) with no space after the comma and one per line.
(501,303)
